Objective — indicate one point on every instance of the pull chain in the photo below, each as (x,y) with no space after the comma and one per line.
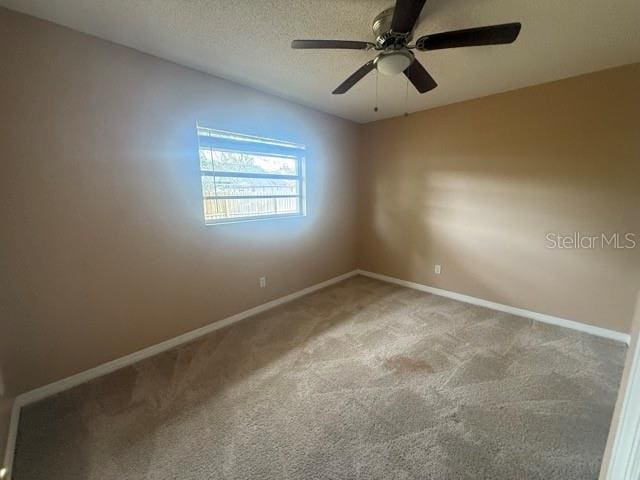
(375,109)
(406,99)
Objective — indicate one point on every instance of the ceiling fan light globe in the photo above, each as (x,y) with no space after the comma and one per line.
(393,63)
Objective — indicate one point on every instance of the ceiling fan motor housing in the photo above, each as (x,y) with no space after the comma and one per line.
(385,38)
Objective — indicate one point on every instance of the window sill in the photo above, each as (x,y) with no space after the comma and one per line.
(265,218)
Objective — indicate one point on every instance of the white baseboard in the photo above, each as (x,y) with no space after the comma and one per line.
(74,380)
(521,312)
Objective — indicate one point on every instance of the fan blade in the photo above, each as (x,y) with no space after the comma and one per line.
(405,15)
(419,77)
(354,78)
(343,44)
(470,37)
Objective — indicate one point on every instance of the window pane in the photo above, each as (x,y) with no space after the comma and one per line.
(206,161)
(208,186)
(288,205)
(249,207)
(250,163)
(236,187)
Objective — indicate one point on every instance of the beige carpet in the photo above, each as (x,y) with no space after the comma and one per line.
(363,380)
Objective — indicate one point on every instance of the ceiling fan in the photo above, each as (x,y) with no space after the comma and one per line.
(393,29)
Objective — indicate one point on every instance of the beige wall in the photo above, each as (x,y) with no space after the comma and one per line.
(477,185)
(104,247)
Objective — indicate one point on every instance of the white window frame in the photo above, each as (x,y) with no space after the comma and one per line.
(221,140)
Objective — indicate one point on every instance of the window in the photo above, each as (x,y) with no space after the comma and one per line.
(249,178)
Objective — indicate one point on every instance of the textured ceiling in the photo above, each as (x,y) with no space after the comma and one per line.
(248,41)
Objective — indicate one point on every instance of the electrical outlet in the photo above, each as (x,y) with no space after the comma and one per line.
(438,269)
(263,282)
